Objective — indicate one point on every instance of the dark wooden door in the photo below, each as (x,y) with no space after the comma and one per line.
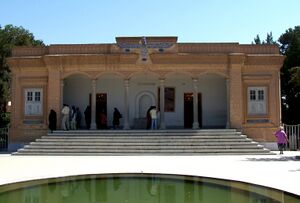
(101,105)
(189,110)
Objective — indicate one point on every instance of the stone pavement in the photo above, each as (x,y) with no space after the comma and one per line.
(275,171)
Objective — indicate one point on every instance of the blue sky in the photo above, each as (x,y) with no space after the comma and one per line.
(99,21)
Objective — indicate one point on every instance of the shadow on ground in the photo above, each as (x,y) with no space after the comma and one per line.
(283,158)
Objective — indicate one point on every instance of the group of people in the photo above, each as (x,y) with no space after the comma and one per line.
(71,117)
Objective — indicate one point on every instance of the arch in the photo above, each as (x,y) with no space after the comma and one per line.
(213,72)
(185,73)
(66,75)
(114,73)
(142,97)
(141,73)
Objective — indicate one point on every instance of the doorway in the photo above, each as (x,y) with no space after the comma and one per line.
(101,106)
(189,110)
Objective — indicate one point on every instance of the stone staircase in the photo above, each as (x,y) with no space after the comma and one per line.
(143,142)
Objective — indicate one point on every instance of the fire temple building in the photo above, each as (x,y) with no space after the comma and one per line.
(194,85)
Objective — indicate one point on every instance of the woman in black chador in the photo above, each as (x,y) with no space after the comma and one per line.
(116,118)
(52,120)
(148,116)
(87,116)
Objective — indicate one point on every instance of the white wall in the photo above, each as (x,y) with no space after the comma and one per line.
(76,92)
(214,100)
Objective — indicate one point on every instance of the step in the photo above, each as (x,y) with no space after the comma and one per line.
(143,142)
(88,143)
(143,133)
(144,152)
(146,147)
(111,140)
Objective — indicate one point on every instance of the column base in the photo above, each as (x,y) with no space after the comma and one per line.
(126,127)
(162,127)
(196,125)
(93,126)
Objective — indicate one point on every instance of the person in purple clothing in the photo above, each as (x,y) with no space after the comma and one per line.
(281,139)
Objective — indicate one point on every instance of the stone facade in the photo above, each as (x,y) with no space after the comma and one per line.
(249,72)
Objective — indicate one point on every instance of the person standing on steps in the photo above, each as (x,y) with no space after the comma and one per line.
(87,116)
(116,118)
(153,114)
(73,118)
(52,120)
(78,118)
(148,117)
(103,120)
(65,123)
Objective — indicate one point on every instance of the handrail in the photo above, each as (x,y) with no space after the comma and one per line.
(293,133)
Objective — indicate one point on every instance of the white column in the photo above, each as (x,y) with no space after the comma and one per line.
(162,104)
(93,113)
(195,103)
(126,113)
(228,102)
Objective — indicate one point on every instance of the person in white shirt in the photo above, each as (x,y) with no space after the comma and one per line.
(153,114)
(65,117)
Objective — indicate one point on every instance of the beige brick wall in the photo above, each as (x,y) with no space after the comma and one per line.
(46,67)
(235,91)
(261,133)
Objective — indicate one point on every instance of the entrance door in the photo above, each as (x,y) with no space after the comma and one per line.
(189,110)
(101,106)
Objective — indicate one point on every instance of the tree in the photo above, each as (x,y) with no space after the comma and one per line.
(295,77)
(11,36)
(290,79)
(256,40)
(269,39)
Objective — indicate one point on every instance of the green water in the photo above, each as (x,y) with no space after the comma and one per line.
(130,188)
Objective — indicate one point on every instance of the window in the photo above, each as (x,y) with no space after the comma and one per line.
(33,101)
(257,104)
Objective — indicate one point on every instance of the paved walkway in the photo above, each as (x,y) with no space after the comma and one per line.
(276,171)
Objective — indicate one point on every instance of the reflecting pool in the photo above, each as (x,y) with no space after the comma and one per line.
(139,188)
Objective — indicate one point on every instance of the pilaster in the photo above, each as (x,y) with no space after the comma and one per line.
(236,62)
(195,103)
(162,104)
(126,93)
(54,93)
(93,113)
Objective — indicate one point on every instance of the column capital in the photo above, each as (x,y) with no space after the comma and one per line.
(162,81)
(195,79)
(126,82)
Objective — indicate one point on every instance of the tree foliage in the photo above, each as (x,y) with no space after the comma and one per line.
(11,36)
(269,39)
(290,75)
(257,40)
